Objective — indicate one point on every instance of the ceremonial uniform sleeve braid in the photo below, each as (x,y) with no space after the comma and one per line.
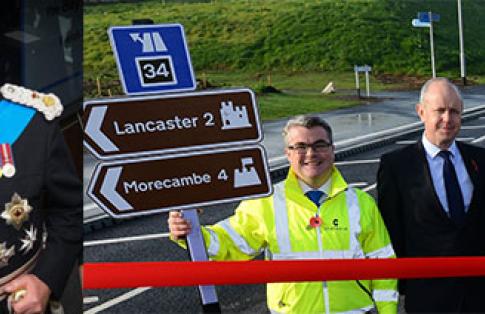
(239,237)
(62,212)
(376,243)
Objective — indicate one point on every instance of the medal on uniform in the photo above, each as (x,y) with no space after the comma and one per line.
(29,239)
(14,118)
(17,211)
(315,221)
(6,159)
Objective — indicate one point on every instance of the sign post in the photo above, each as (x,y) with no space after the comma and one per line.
(462,49)
(197,251)
(426,19)
(126,188)
(357,83)
(186,150)
(366,69)
(431,42)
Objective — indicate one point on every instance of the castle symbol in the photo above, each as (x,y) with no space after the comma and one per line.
(234,117)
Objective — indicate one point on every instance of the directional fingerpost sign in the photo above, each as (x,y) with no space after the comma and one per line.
(418,23)
(424,17)
(137,126)
(157,184)
(362,68)
(152,58)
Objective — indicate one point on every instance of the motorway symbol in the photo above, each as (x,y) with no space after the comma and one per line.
(136,126)
(157,184)
(424,17)
(152,58)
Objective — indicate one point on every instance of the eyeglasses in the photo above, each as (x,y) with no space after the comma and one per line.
(320,146)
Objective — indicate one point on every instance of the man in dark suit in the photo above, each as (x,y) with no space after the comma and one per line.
(40,203)
(432,197)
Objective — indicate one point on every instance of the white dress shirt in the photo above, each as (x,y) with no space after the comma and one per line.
(325,188)
(435,163)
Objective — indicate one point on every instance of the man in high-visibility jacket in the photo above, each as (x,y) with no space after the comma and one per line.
(313,214)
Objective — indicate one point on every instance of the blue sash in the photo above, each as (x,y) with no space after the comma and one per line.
(13,120)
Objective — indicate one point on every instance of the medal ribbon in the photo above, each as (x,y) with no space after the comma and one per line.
(13,120)
(6,152)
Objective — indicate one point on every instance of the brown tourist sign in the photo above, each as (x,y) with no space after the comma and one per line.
(137,126)
(186,180)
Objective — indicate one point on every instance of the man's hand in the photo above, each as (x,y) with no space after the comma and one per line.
(36,297)
(179,227)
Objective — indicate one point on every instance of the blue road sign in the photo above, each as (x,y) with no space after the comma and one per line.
(152,58)
(424,17)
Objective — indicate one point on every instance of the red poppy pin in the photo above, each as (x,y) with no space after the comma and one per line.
(315,222)
(475,165)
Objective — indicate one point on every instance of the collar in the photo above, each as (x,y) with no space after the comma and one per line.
(433,150)
(336,183)
(325,188)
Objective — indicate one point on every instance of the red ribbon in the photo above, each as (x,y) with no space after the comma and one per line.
(165,274)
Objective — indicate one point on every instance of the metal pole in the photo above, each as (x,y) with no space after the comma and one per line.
(197,251)
(431,43)
(462,49)
(367,85)
(357,85)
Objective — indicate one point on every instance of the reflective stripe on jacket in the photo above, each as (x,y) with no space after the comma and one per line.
(279,225)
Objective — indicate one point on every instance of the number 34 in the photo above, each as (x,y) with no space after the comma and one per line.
(150,72)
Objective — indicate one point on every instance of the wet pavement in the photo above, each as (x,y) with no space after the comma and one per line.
(396,109)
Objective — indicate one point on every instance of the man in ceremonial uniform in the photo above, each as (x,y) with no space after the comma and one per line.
(40,203)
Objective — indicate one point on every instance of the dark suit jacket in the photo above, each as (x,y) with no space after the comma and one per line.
(419,226)
(46,178)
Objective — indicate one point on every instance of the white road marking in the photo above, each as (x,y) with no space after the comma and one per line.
(127,239)
(461,139)
(472,127)
(405,142)
(478,139)
(358,184)
(356,162)
(92,212)
(370,187)
(130,294)
(278,159)
(88,300)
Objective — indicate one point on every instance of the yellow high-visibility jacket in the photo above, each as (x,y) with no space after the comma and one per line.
(352,227)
